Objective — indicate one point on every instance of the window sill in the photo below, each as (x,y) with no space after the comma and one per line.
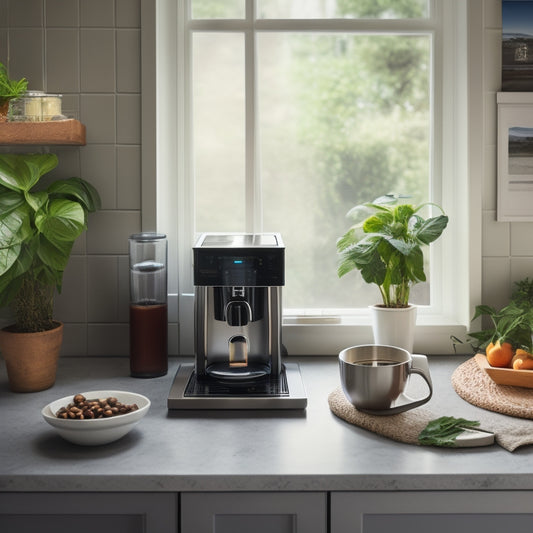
(304,337)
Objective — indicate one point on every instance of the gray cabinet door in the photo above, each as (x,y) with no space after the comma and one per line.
(438,512)
(88,512)
(254,512)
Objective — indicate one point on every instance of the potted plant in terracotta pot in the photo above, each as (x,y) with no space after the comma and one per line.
(385,245)
(38,227)
(9,89)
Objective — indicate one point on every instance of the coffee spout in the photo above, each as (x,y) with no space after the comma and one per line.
(238,351)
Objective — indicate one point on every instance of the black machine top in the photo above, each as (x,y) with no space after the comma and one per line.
(239,260)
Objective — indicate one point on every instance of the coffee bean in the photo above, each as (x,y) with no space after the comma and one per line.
(80,408)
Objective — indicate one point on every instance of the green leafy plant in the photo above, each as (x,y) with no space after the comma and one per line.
(37,231)
(10,88)
(513,323)
(522,294)
(385,245)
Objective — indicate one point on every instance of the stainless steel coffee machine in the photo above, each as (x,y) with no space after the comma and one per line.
(238,282)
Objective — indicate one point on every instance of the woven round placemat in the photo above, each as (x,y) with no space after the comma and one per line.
(403,427)
(476,387)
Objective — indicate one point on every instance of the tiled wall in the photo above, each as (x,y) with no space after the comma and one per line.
(89,51)
(507,248)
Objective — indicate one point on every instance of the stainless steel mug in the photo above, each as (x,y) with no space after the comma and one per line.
(374,378)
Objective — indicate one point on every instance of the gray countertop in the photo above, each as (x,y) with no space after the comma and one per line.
(309,450)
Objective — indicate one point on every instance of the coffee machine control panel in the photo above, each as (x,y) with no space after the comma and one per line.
(240,260)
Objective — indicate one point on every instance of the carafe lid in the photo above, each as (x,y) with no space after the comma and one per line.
(147,236)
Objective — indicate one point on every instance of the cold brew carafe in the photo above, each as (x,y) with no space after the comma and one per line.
(148,305)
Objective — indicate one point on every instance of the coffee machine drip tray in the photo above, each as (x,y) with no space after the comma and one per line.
(285,391)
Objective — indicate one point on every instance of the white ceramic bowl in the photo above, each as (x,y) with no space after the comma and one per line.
(93,432)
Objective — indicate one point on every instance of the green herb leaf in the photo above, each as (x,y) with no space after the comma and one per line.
(444,430)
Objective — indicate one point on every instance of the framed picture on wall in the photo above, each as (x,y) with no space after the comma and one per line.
(515,157)
(517,45)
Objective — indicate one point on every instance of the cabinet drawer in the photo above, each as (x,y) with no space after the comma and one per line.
(88,512)
(438,512)
(254,512)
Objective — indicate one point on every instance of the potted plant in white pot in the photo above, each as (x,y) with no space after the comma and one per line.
(385,245)
(37,230)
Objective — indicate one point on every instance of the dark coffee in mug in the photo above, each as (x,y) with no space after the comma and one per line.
(378,362)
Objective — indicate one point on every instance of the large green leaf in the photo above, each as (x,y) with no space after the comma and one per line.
(405,248)
(55,255)
(21,264)
(7,257)
(404,212)
(8,289)
(373,270)
(415,265)
(376,223)
(20,172)
(10,200)
(10,239)
(431,229)
(78,189)
(11,280)
(36,200)
(63,221)
(347,240)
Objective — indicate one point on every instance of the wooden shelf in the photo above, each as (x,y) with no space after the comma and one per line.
(70,132)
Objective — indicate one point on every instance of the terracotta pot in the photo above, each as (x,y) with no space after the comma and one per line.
(394,326)
(31,358)
(4,108)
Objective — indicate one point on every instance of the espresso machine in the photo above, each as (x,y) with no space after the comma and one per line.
(238,363)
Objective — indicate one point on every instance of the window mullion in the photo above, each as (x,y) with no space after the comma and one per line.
(252,177)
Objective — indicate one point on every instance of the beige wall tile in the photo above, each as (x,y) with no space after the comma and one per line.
(98,166)
(496,281)
(71,304)
(97,13)
(97,60)
(129,177)
(128,64)
(128,13)
(521,239)
(62,60)
(74,339)
(102,289)
(25,14)
(97,112)
(62,13)
(109,339)
(496,236)
(128,119)
(110,231)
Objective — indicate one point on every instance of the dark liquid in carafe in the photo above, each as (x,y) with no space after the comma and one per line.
(148,340)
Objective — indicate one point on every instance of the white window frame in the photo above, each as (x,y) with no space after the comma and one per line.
(168,195)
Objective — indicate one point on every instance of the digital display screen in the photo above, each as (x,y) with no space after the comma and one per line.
(220,268)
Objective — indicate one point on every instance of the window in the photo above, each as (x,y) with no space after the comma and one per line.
(288,113)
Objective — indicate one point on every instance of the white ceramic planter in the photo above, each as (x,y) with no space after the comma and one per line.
(394,326)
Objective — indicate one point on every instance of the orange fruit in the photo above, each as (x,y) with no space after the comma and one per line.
(500,355)
(522,360)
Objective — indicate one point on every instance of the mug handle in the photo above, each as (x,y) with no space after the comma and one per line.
(419,366)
